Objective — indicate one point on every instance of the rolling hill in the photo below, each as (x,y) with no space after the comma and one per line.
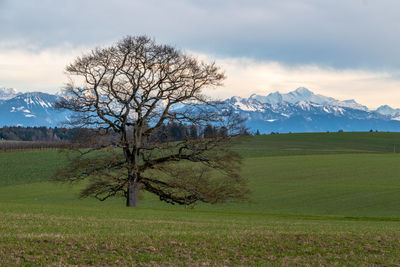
(316,199)
(315,174)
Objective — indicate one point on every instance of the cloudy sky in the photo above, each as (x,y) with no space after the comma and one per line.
(340,48)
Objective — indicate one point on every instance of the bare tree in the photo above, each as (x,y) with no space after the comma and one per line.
(128,92)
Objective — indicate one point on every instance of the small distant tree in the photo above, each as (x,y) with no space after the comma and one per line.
(244,131)
(193,131)
(209,131)
(223,132)
(135,95)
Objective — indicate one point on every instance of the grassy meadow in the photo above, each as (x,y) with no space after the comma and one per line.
(316,199)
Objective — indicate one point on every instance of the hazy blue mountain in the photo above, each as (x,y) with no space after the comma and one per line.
(31,109)
(298,111)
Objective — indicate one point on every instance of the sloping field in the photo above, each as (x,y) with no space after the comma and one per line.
(329,198)
(319,143)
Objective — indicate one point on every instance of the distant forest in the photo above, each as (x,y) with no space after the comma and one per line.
(18,133)
(168,132)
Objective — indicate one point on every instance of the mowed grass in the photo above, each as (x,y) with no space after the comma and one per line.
(335,201)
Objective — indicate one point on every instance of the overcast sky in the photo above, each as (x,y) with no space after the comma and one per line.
(339,48)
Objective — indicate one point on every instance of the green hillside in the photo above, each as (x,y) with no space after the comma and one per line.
(324,198)
(351,174)
(319,143)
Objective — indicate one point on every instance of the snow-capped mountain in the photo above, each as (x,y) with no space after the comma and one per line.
(388,111)
(303,111)
(298,111)
(31,109)
(303,94)
(7,93)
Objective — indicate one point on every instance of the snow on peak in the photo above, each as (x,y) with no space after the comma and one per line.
(36,99)
(236,99)
(302,94)
(304,105)
(388,111)
(298,95)
(350,101)
(273,98)
(245,104)
(7,93)
(302,91)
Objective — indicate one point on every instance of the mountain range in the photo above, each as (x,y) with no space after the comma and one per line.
(30,109)
(298,111)
(303,111)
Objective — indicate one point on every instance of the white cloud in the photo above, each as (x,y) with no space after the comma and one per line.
(35,70)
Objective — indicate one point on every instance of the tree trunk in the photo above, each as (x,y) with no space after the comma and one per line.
(132,197)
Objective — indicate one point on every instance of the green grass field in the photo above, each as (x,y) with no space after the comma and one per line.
(316,199)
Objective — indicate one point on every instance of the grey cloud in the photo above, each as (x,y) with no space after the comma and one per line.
(341,33)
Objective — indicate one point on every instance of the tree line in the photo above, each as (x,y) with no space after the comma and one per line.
(30,145)
(167,132)
(37,134)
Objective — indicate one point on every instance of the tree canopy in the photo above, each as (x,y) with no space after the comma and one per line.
(129,93)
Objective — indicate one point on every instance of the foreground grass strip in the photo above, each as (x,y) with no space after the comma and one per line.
(243,247)
(153,237)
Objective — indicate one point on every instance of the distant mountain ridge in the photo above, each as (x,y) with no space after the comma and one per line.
(303,111)
(298,111)
(386,110)
(31,109)
(303,94)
